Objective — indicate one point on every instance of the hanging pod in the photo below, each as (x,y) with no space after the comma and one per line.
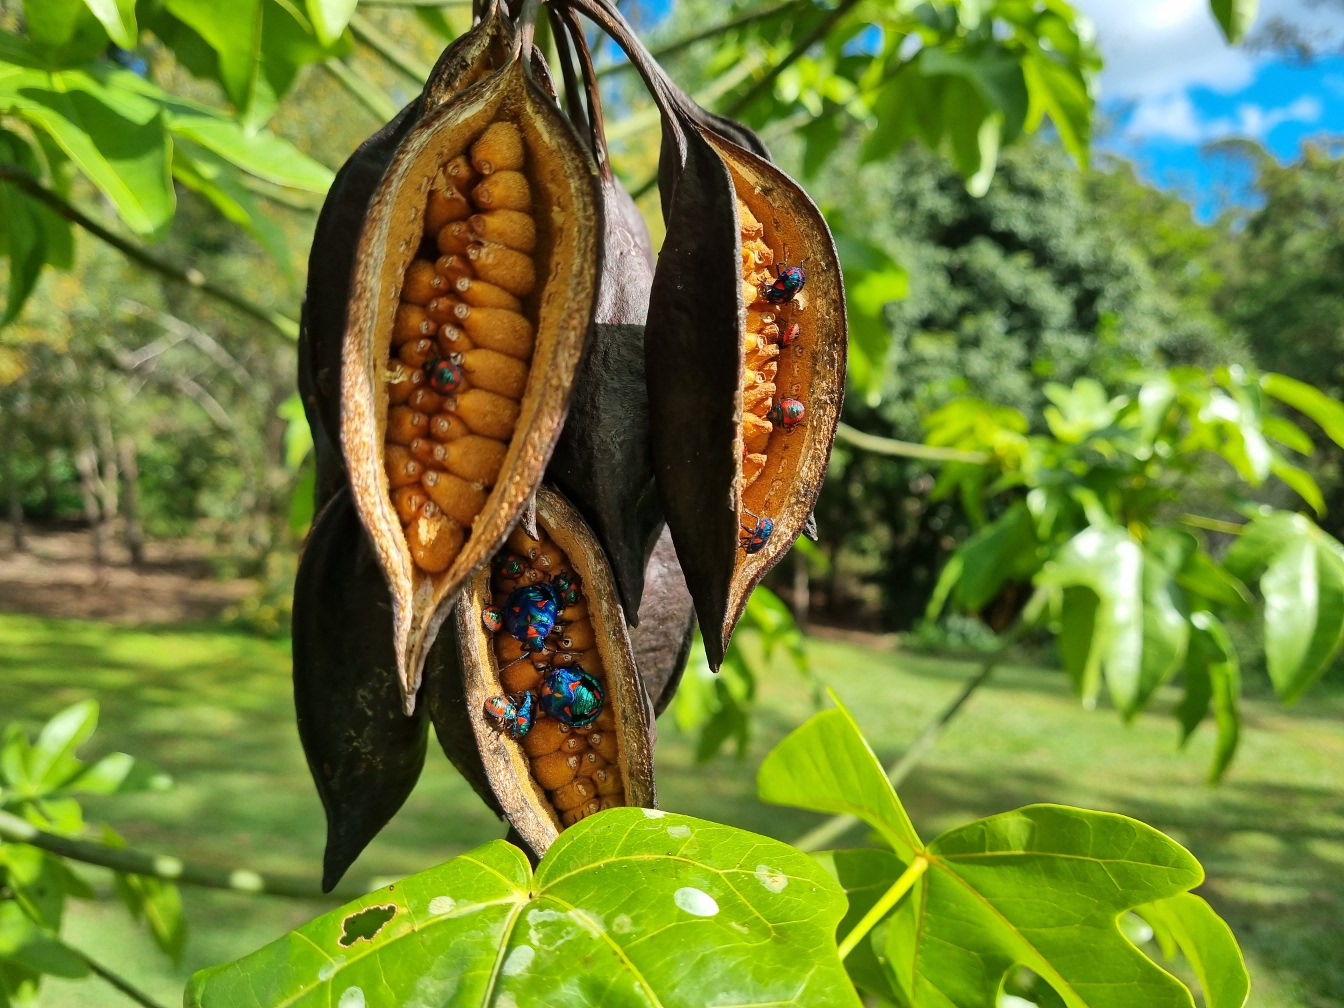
(560,715)
(472,293)
(744,351)
(364,752)
(602,463)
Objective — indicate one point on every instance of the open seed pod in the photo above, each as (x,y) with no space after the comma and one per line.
(560,714)
(602,463)
(456,372)
(745,367)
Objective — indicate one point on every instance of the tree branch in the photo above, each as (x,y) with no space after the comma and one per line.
(907,449)
(134,993)
(381,43)
(672,48)
(191,277)
(837,826)
(817,34)
(171,869)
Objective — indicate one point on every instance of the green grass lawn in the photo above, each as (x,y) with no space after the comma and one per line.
(213,708)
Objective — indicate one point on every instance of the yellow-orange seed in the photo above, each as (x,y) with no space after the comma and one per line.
(480,294)
(447,426)
(453,267)
(755,432)
(574,794)
(578,636)
(434,540)
(409,501)
(520,678)
(453,340)
(455,238)
(422,282)
(503,266)
(504,190)
(411,323)
(608,780)
(445,206)
(474,458)
(499,148)
(403,468)
(424,400)
(434,454)
(555,769)
(513,228)
(488,414)
(414,353)
(546,736)
(402,381)
(498,329)
(404,425)
(461,173)
(495,372)
(604,744)
(460,499)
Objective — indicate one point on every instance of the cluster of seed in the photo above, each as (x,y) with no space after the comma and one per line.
(762,343)
(576,766)
(461,343)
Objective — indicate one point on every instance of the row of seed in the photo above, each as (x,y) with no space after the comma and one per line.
(576,766)
(761,344)
(461,344)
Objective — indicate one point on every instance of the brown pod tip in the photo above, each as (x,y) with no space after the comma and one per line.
(555,771)
(508,159)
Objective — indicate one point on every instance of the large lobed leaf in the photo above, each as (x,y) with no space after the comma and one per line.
(1043,887)
(629,907)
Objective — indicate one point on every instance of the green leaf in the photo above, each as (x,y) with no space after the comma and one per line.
(827,765)
(52,762)
(1209,581)
(1224,683)
(1328,413)
(1061,93)
(1301,481)
(25,944)
(1194,705)
(630,907)
(1166,634)
(329,18)
(118,20)
(1287,433)
(1303,587)
(157,904)
(1107,560)
(119,773)
(864,874)
(298,435)
(1076,640)
(115,137)
(261,154)
(64,32)
(24,237)
(1235,17)
(1004,550)
(1208,944)
(980,911)
(215,179)
(872,281)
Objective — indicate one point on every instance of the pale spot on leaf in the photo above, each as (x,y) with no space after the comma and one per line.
(442,905)
(329,969)
(653,813)
(771,878)
(695,901)
(679,832)
(622,924)
(352,998)
(519,959)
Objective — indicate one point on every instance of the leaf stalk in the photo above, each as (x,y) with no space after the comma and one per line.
(883,906)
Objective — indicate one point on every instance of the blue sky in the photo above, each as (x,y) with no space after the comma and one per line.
(1172,86)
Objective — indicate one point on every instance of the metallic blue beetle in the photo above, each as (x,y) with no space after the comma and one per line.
(513,715)
(788,282)
(571,696)
(755,539)
(530,613)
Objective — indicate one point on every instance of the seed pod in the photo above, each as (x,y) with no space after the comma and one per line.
(556,283)
(520,775)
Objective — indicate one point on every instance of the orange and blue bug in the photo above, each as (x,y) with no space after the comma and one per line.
(788,413)
(567,588)
(571,696)
(511,566)
(529,614)
(790,336)
(492,619)
(755,538)
(444,374)
(788,282)
(513,715)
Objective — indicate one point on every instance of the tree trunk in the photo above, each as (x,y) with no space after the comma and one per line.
(12,489)
(86,461)
(130,504)
(107,451)
(802,590)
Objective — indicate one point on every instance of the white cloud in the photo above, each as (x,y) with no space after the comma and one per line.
(1174,117)
(1160,48)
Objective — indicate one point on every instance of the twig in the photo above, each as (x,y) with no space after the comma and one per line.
(837,826)
(907,449)
(125,986)
(192,277)
(173,869)
(364,90)
(1212,524)
(204,342)
(768,81)
(672,48)
(381,43)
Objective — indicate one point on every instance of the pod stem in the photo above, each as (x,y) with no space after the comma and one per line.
(564,39)
(596,126)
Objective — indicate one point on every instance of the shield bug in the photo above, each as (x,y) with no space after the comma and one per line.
(444,375)
(571,696)
(529,614)
(788,413)
(755,539)
(790,335)
(788,282)
(492,619)
(512,715)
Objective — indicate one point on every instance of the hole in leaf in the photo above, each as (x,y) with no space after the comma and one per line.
(366,923)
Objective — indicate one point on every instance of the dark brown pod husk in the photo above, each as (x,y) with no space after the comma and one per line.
(529,799)
(559,181)
(666,630)
(722,461)
(364,753)
(602,463)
